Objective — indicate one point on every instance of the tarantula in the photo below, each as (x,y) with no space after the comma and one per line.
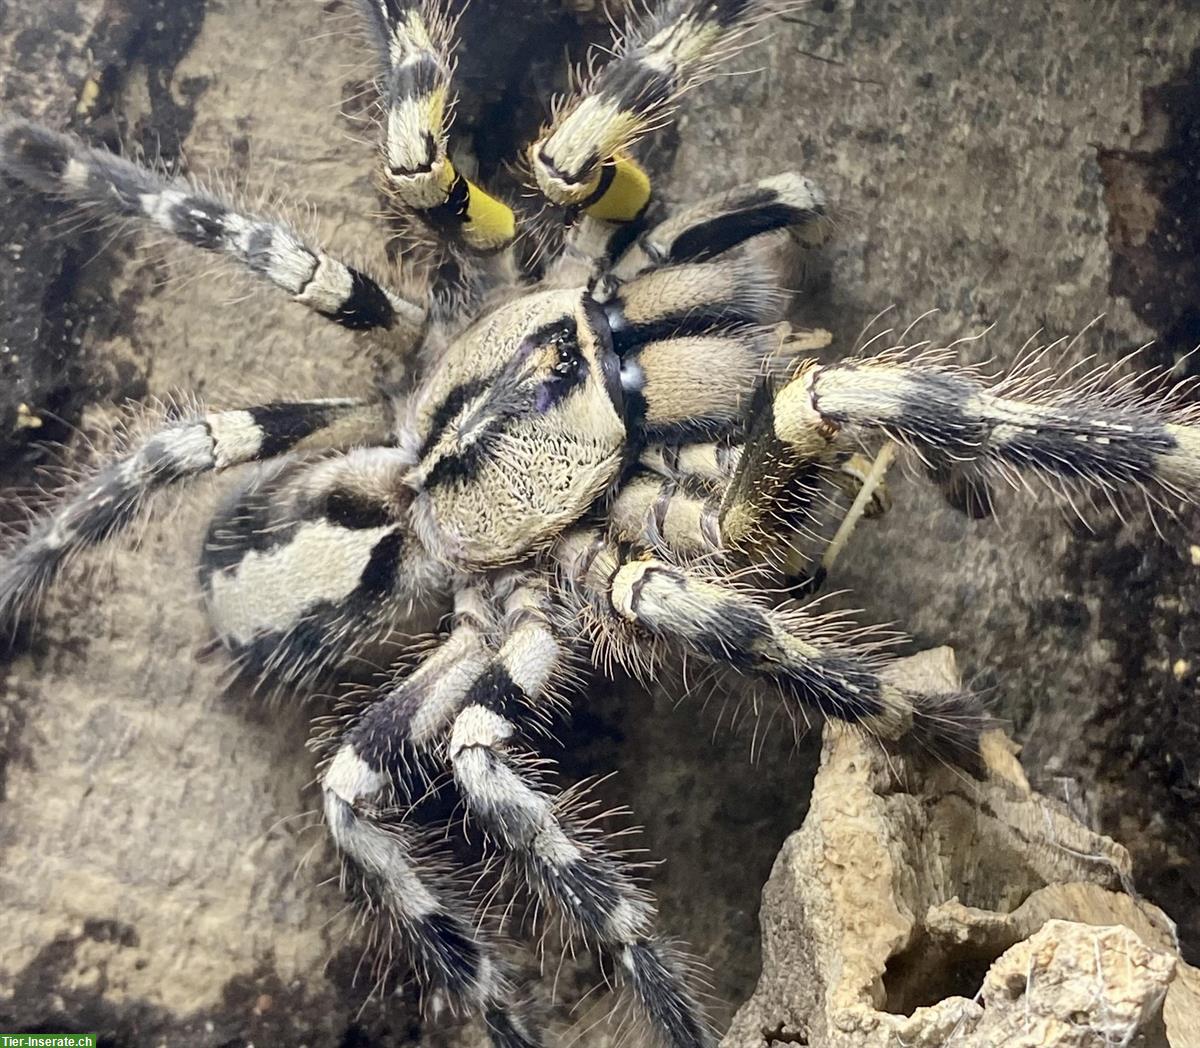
(588,464)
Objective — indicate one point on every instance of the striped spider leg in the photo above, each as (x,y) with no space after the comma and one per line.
(413,41)
(112,188)
(478,707)
(582,160)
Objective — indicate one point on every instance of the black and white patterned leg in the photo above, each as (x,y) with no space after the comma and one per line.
(312,565)
(415,713)
(658,513)
(1118,435)
(567,867)
(582,159)
(725,221)
(1092,433)
(202,442)
(820,662)
(113,187)
(459,967)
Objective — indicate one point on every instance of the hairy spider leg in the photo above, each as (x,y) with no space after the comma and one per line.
(414,43)
(416,712)
(582,159)
(565,863)
(679,501)
(815,661)
(726,220)
(775,487)
(459,966)
(665,514)
(693,342)
(1117,435)
(476,696)
(115,188)
(690,324)
(313,563)
(198,442)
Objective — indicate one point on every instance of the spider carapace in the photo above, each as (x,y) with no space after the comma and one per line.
(584,470)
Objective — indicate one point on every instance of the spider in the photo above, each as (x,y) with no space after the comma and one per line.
(586,465)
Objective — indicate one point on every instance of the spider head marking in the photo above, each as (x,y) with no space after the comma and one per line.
(517,430)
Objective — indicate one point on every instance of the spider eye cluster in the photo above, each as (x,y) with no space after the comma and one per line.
(568,371)
(568,359)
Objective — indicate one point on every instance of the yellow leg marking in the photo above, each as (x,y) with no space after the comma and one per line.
(570,160)
(488,223)
(626,194)
(450,201)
